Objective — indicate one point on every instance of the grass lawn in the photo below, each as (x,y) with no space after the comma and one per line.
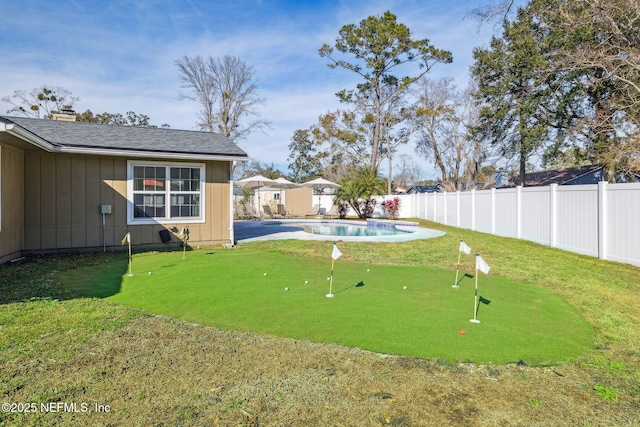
(57,346)
(229,289)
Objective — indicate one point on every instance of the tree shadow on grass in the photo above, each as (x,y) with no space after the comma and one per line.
(105,280)
(62,276)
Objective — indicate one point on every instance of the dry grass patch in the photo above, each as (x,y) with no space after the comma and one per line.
(153,370)
(158,371)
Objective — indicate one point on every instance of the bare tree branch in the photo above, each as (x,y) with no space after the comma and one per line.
(41,102)
(226,91)
(444,118)
(492,12)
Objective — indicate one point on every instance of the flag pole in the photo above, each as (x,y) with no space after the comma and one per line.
(184,248)
(127,239)
(475,299)
(455,284)
(130,257)
(185,239)
(330,294)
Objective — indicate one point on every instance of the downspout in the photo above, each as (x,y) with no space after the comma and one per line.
(231,231)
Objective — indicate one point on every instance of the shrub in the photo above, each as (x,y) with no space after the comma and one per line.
(391,207)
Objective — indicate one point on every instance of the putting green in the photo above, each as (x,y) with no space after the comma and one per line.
(229,289)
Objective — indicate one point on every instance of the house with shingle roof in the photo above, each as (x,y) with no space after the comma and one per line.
(590,174)
(67,185)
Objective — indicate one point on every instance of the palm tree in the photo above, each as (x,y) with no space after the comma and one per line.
(358,191)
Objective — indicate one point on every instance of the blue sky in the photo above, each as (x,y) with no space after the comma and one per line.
(119,56)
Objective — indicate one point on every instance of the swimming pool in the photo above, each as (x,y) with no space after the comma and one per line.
(372,230)
(328,228)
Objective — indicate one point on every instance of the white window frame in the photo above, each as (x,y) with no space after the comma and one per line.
(167,219)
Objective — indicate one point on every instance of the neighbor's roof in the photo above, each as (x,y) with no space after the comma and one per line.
(423,189)
(556,176)
(93,138)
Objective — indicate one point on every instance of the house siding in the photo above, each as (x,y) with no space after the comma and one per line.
(299,201)
(63,194)
(12,203)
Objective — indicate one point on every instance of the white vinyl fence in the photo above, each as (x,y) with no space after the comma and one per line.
(601,220)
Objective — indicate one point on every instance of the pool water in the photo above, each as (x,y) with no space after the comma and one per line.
(328,229)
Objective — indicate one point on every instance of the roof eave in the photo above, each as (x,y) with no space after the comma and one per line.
(150,154)
(27,136)
(591,170)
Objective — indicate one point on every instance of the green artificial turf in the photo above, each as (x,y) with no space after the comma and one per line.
(228,289)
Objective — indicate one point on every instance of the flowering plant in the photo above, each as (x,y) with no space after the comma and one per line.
(391,207)
(343,208)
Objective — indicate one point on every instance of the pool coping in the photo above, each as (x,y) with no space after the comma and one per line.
(250,231)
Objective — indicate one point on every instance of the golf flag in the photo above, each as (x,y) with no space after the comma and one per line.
(126,239)
(467,250)
(335,254)
(184,233)
(482,265)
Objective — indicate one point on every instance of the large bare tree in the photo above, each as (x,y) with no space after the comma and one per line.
(444,119)
(600,44)
(609,32)
(226,90)
(409,172)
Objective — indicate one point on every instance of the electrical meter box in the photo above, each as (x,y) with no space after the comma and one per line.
(105,209)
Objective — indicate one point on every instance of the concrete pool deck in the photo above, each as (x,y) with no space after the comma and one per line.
(249,231)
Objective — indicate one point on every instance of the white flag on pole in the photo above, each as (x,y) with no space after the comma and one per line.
(482,265)
(336,252)
(126,239)
(464,248)
(184,233)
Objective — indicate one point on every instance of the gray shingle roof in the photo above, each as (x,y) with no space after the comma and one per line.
(556,176)
(89,136)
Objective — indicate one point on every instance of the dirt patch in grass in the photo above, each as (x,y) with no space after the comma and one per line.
(159,371)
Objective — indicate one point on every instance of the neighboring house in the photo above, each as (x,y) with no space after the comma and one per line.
(424,189)
(82,186)
(399,189)
(591,174)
